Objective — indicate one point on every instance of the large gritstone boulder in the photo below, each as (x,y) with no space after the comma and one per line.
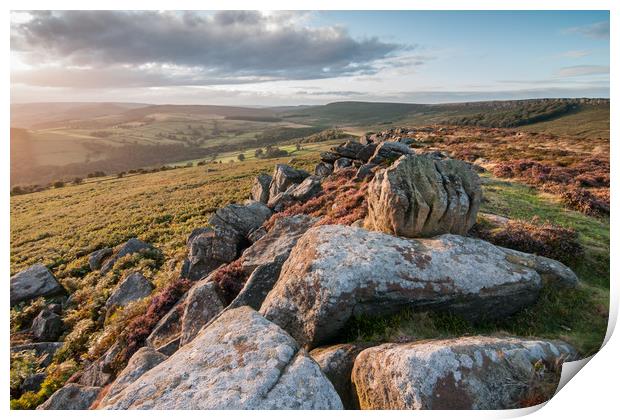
(468,373)
(33,282)
(420,197)
(71,397)
(203,302)
(336,272)
(226,237)
(283,177)
(240,361)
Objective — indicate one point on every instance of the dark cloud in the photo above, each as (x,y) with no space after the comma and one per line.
(598,30)
(230,45)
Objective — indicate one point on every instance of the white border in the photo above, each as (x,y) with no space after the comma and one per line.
(593,394)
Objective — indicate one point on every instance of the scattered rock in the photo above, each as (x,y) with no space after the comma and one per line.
(202,304)
(366,152)
(142,361)
(47,326)
(260,188)
(324,169)
(329,157)
(282,200)
(43,351)
(134,287)
(335,272)
(349,149)
(96,258)
(55,308)
(71,397)
(468,373)
(130,247)
(283,177)
(342,163)
(208,249)
(33,382)
(309,187)
(388,152)
(421,197)
(33,282)
(336,363)
(242,218)
(241,361)
(366,171)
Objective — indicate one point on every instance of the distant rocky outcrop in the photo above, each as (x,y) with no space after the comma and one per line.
(35,281)
(468,373)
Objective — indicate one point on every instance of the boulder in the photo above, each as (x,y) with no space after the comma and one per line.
(388,152)
(71,397)
(349,149)
(323,169)
(467,373)
(335,272)
(283,177)
(366,171)
(282,200)
(33,382)
(43,351)
(308,188)
(47,326)
(96,258)
(142,361)
(134,287)
(33,282)
(260,188)
(203,302)
(96,374)
(242,218)
(169,327)
(130,247)
(222,242)
(366,152)
(209,248)
(336,362)
(241,361)
(329,157)
(342,163)
(420,197)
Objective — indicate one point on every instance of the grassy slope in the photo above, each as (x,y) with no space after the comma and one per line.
(591,122)
(54,225)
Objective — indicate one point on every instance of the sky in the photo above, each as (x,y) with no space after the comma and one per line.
(257,58)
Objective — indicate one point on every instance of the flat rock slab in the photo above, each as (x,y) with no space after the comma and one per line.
(337,272)
(35,281)
(240,361)
(468,373)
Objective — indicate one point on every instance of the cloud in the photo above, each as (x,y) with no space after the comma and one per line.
(573,71)
(598,30)
(200,48)
(576,53)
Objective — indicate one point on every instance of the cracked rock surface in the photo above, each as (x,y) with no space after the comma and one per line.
(241,361)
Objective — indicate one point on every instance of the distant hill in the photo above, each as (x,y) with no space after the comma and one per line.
(41,114)
(501,114)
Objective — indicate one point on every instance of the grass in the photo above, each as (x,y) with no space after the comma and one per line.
(591,122)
